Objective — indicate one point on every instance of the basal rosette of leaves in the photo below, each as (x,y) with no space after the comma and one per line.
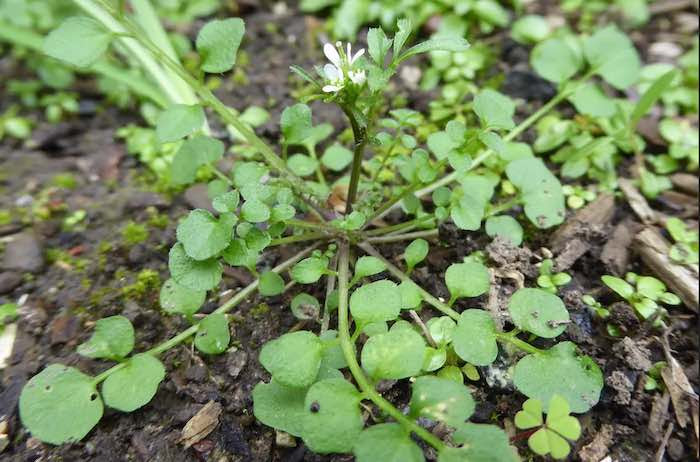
(316,189)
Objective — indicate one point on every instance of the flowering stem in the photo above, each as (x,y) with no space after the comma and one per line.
(360,135)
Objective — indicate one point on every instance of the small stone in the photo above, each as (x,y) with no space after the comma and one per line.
(236,362)
(24,253)
(665,51)
(675,449)
(63,329)
(284,440)
(9,281)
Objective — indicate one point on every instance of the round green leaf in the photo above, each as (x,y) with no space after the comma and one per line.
(467,279)
(213,335)
(336,157)
(227,202)
(441,399)
(202,236)
(377,301)
(218,42)
(177,299)
(481,443)
(494,109)
(387,442)
(611,53)
(302,165)
(560,371)
(178,121)
(255,211)
(332,420)
(396,354)
(539,312)
(416,252)
(113,338)
(79,41)
(305,306)
(555,60)
(195,275)
(530,28)
(194,152)
(135,384)
(441,329)
(279,406)
(411,297)
(474,339)
(506,227)
(309,270)
(293,359)
(271,284)
(60,405)
(368,266)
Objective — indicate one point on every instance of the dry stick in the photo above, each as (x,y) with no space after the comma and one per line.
(223,309)
(662,447)
(423,327)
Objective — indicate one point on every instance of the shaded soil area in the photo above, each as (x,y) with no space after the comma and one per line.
(70,276)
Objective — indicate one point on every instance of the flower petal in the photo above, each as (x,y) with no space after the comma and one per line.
(360,52)
(333,73)
(331,88)
(332,54)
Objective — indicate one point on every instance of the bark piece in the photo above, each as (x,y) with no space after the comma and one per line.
(687,183)
(682,281)
(573,239)
(615,252)
(638,203)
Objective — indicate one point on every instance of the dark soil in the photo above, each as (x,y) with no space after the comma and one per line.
(70,278)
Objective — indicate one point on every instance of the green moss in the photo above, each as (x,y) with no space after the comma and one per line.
(158,220)
(259,311)
(5,217)
(134,233)
(58,255)
(64,180)
(146,281)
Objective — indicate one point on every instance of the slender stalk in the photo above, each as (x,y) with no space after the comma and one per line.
(223,309)
(510,337)
(349,353)
(331,280)
(397,273)
(399,226)
(403,237)
(360,135)
(314,236)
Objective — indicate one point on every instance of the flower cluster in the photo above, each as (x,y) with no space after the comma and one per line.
(341,66)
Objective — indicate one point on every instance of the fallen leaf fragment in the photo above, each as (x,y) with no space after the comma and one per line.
(201,424)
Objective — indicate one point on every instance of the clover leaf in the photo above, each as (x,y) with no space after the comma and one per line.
(279,406)
(467,280)
(270,284)
(441,399)
(388,442)
(202,235)
(560,370)
(539,312)
(60,405)
(415,253)
(553,435)
(367,266)
(377,301)
(135,384)
(113,339)
(505,227)
(332,420)
(293,359)
(178,121)
(474,339)
(494,109)
(396,354)
(217,44)
(79,41)
(213,335)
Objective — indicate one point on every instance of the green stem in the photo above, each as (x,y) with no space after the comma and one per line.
(360,136)
(510,337)
(399,226)
(223,309)
(397,273)
(349,354)
(299,238)
(403,237)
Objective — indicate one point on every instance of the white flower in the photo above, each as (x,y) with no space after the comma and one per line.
(341,65)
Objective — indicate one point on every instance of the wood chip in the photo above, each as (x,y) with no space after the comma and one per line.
(687,183)
(683,395)
(681,280)
(637,202)
(615,252)
(201,424)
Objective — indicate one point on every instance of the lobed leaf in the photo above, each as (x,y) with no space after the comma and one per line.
(78,40)
(217,44)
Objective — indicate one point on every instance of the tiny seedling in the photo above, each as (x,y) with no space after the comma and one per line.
(550,281)
(644,293)
(685,247)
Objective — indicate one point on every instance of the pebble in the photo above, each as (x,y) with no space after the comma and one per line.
(664,51)
(63,329)
(8,281)
(675,449)
(236,362)
(24,253)
(284,440)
